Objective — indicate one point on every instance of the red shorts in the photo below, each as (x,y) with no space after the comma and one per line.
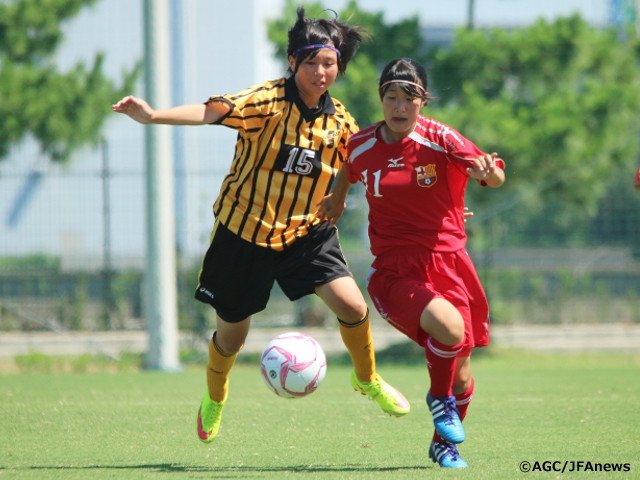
(402,284)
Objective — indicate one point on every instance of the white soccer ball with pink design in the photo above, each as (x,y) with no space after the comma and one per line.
(293,365)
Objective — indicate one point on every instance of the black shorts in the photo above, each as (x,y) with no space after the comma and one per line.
(237,276)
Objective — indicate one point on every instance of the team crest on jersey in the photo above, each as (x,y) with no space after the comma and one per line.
(329,138)
(426,175)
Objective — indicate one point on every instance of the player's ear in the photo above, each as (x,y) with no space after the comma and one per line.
(292,64)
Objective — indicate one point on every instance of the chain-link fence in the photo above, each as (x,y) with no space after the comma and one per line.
(73,258)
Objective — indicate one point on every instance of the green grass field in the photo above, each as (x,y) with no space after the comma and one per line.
(527,407)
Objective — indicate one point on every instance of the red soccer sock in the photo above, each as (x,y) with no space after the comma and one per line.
(441,360)
(464,399)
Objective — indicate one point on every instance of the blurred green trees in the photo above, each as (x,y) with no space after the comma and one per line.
(62,111)
(560,101)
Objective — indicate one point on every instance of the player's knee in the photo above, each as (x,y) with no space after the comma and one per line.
(354,314)
(228,345)
(443,322)
(451,336)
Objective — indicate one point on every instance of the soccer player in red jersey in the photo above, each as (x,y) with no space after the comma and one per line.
(422,281)
(636,180)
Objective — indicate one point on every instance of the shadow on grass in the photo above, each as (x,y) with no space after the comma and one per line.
(403,353)
(245,469)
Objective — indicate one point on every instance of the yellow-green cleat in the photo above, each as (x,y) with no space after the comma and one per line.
(209,416)
(389,399)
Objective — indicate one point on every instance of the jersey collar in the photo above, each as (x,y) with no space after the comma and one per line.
(292,94)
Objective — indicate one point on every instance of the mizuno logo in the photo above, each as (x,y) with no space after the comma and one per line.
(395,162)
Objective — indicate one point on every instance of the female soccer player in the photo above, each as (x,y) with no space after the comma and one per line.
(422,281)
(292,139)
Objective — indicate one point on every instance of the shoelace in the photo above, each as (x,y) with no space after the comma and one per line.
(449,409)
(213,413)
(452,451)
(376,388)
(447,449)
(373,389)
(387,392)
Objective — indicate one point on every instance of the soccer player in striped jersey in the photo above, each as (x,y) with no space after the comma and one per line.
(292,141)
(422,281)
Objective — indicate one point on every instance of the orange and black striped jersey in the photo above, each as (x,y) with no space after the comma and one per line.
(286,158)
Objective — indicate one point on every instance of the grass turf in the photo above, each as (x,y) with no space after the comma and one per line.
(527,407)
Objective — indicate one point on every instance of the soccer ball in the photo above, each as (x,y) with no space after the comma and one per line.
(293,365)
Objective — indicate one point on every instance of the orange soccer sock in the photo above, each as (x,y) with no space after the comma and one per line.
(359,342)
(218,370)
(441,360)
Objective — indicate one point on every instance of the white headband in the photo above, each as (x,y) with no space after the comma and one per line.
(404,81)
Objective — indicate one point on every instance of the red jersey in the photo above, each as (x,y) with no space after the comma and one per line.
(415,188)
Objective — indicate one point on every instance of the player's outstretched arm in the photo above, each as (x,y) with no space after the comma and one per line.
(195,114)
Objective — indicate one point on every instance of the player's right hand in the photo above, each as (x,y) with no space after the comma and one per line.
(330,210)
(466,214)
(136,108)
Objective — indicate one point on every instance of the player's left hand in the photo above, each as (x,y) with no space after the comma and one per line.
(484,167)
